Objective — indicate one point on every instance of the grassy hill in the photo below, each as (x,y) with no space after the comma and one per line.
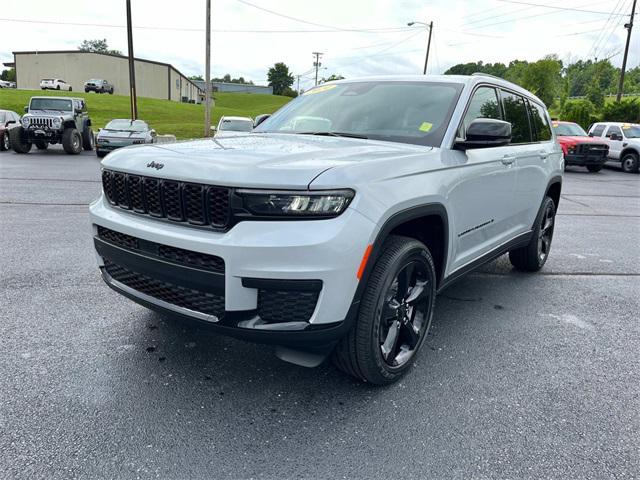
(184,120)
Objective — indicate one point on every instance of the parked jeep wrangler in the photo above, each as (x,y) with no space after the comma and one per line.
(51,120)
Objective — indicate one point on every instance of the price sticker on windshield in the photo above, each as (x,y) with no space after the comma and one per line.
(425,127)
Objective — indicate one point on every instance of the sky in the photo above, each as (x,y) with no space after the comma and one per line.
(356,37)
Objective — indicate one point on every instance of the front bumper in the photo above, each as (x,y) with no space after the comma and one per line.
(292,262)
(585,159)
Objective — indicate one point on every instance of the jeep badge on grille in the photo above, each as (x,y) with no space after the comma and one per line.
(155,165)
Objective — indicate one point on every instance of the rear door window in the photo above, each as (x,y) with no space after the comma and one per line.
(597,131)
(540,123)
(515,112)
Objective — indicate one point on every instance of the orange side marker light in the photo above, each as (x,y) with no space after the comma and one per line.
(365,259)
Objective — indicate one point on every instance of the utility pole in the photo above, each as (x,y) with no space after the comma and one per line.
(426,58)
(132,68)
(298,86)
(628,26)
(207,74)
(317,64)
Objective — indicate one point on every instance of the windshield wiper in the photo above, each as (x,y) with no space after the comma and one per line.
(335,134)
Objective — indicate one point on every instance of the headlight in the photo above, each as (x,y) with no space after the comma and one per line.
(320,204)
(25,122)
(57,122)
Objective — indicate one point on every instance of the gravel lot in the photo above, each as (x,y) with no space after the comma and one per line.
(524,376)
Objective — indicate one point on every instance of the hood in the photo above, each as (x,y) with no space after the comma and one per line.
(572,140)
(47,113)
(253,160)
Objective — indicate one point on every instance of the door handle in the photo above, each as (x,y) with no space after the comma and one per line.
(508,159)
(543,154)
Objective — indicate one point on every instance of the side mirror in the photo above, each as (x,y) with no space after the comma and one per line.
(26,109)
(260,118)
(615,137)
(9,123)
(153,133)
(213,129)
(485,133)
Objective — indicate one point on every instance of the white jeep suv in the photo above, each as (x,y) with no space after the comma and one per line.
(623,140)
(331,228)
(54,84)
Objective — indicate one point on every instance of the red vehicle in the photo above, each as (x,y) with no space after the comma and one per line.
(8,119)
(579,148)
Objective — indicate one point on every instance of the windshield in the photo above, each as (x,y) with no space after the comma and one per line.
(631,131)
(95,80)
(61,104)
(396,111)
(127,125)
(236,125)
(569,130)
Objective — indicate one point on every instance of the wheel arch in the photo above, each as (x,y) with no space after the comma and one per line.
(554,188)
(69,124)
(412,222)
(627,150)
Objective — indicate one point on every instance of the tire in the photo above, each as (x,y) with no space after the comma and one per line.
(72,141)
(57,87)
(87,139)
(380,347)
(630,162)
(111,91)
(6,143)
(594,168)
(100,154)
(16,141)
(41,145)
(86,90)
(70,89)
(534,255)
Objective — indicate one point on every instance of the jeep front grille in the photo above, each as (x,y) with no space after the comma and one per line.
(42,122)
(185,202)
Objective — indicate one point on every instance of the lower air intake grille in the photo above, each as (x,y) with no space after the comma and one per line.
(195,300)
(276,306)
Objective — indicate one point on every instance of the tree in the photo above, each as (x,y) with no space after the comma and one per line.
(196,77)
(279,78)
(8,75)
(580,111)
(97,46)
(332,78)
(623,111)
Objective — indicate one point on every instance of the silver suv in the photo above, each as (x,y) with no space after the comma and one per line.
(330,229)
(623,140)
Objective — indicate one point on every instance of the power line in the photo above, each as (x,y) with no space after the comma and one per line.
(556,8)
(197,30)
(306,22)
(603,39)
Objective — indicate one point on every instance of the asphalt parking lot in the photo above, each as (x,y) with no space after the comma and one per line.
(524,376)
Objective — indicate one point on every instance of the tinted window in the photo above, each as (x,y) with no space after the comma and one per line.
(598,130)
(44,103)
(483,104)
(3,118)
(569,130)
(540,123)
(614,129)
(515,112)
(394,111)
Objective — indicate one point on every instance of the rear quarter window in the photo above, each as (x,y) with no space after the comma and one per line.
(597,130)
(540,123)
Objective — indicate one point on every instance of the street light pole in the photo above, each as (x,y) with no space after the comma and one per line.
(207,74)
(430,27)
(628,26)
(132,68)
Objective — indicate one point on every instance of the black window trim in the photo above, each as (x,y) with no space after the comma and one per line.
(499,89)
(608,130)
(546,114)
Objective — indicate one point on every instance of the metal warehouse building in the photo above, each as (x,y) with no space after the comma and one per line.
(153,79)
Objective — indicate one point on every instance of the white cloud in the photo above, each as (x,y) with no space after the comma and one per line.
(464,31)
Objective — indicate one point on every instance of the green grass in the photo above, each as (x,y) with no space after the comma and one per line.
(184,120)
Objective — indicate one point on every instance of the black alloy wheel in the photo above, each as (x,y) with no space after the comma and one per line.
(404,314)
(545,233)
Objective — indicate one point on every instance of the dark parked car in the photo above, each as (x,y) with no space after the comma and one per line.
(8,119)
(98,85)
(122,132)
